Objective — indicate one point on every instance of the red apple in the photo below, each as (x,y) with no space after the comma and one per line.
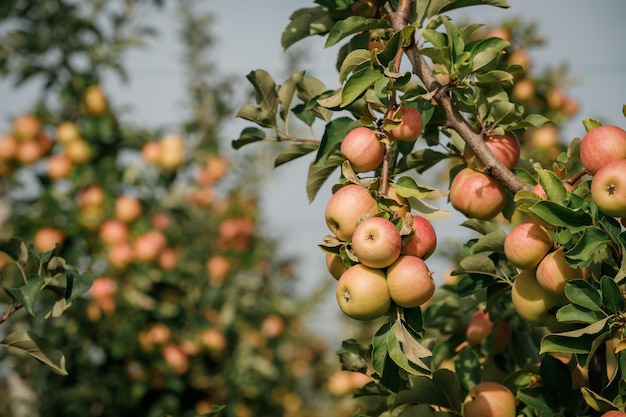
(532,302)
(26,127)
(363,149)
(424,240)
(608,188)
(478,328)
(524,90)
(489,399)
(59,167)
(601,145)
(506,148)
(128,208)
(410,127)
(410,282)
(553,272)
(527,244)
(47,237)
(362,293)
(476,194)
(376,242)
(502,335)
(176,359)
(346,208)
(113,231)
(614,413)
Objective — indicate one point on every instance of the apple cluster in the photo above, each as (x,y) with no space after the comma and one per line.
(378,248)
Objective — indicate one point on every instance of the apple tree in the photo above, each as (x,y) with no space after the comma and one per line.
(429,109)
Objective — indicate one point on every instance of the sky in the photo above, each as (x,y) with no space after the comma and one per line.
(586,35)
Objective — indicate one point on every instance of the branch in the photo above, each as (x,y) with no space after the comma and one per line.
(456,121)
(10,312)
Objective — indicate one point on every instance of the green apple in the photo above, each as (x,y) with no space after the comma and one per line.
(532,302)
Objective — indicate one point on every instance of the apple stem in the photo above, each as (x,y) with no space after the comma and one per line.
(474,139)
(385,169)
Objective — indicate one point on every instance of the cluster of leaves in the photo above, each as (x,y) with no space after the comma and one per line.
(407,352)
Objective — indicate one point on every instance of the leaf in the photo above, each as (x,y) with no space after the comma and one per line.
(597,402)
(553,213)
(582,293)
(351,26)
(317,175)
(286,93)
(408,187)
(28,294)
(478,263)
(491,242)
(358,84)
(412,349)
(247,136)
(15,248)
(571,313)
(467,368)
(334,132)
(262,117)
(265,89)
(556,379)
(309,89)
(305,22)
(37,347)
(294,151)
(420,160)
(612,297)
(591,241)
(355,59)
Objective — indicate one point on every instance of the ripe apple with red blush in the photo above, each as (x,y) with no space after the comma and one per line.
(347,206)
(476,194)
(377,242)
(423,242)
(410,282)
(527,244)
(362,293)
(608,188)
(489,399)
(363,149)
(601,145)
(410,126)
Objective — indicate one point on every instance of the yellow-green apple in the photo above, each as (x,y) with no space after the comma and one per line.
(94,100)
(423,242)
(527,244)
(478,328)
(363,149)
(489,399)
(346,208)
(524,90)
(543,137)
(335,265)
(532,302)
(601,145)
(78,151)
(410,126)
(26,127)
(362,293)
(553,272)
(377,243)
(476,194)
(608,188)
(171,152)
(67,132)
(410,282)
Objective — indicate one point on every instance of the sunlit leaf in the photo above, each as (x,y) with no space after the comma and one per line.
(358,84)
(15,248)
(28,294)
(305,22)
(582,293)
(37,347)
(352,25)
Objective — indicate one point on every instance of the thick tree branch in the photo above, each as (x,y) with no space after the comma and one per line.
(455,119)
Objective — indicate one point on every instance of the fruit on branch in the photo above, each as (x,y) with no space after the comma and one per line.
(113,231)
(128,208)
(171,152)
(608,188)
(47,237)
(614,413)
(527,244)
(410,127)
(78,151)
(59,167)
(94,100)
(489,399)
(519,57)
(335,265)
(502,335)
(28,151)
(524,90)
(543,137)
(476,194)
(377,243)
(553,272)
(347,206)
(410,282)
(176,359)
(532,302)
(506,148)
(478,328)
(363,149)
(362,293)
(423,242)
(67,132)
(601,145)
(26,127)
(8,147)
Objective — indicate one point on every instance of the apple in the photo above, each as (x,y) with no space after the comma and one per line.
(90,196)
(8,147)
(335,265)
(362,293)
(128,208)
(502,335)
(151,152)
(478,328)
(78,151)
(67,132)
(214,341)
(532,302)
(601,145)
(410,127)
(489,399)
(171,152)
(543,137)
(59,167)
(608,188)
(506,148)
(176,359)
(26,127)
(499,32)
(95,101)
(423,242)
(410,282)
(476,194)
(346,207)
(363,149)
(377,243)
(519,57)
(272,326)
(218,267)
(555,98)
(120,254)
(28,152)
(524,90)
(614,413)
(47,237)
(113,231)
(527,244)
(553,272)
(148,246)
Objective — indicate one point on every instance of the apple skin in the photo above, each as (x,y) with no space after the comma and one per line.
(424,240)
(476,194)
(410,127)
(346,208)
(553,272)
(601,145)
(527,244)
(608,188)
(532,302)
(506,148)
(614,413)
(363,149)
(362,293)
(376,242)
(335,265)
(489,399)
(478,328)
(410,282)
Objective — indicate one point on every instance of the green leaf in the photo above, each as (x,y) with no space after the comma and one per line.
(553,186)
(262,117)
(247,136)
(592,241)
(286,93)
(294,151)
(334,132)
(411,349)
(408,187)
(556,379)
(309,89)
(582,293)
(467,368)
(355,59)
(317,175)
(571,313)
(265,89)
(15,248)
(305,22)
(486,53)
(37,347)
(28,294)
(478,263)
(491,242)
(358,84)
(420,160)
(553,213)
(380,347)
(351,26)
(597,402)
(612,297)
